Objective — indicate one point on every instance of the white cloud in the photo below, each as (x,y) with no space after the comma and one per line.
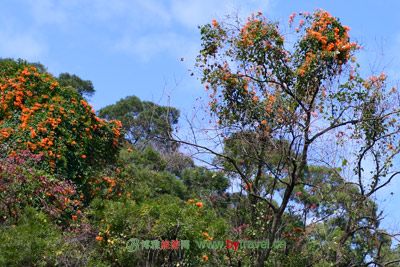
(190,14)
(140,28)
(48,11)
(129,14)
(176,22)
(21,45)
(195,12)
(155,11)
(148,46)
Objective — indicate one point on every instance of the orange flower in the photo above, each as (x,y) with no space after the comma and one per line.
(99,238)
(248,186)
(214,23)
(199,204)
(83,156)
(74,217)
(33,133)
(5,133)
(301,72)
(204,258)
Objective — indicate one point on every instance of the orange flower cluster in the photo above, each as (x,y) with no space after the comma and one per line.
(248,186)
(271,99)
(198,204)
(252,30)
(207,236)
(116,131)
(5,132)
(52,120)
(258,30)
(106,187)
(332,39)
(291,18)
(375,81)
(111,183)
(323,26)
(204,258)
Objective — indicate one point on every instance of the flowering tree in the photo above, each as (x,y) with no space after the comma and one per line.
(278,101)
(144,123)
(38,114)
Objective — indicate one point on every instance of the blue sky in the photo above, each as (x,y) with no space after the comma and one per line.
(134,47)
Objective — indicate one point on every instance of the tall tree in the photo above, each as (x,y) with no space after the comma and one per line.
(144,122)
(83,87)
(279,100)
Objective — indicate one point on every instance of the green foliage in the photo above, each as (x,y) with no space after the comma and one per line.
(144,122)
(145,175)
(33,241)
(162,218)
(83,87)
(9,66)
(200,181)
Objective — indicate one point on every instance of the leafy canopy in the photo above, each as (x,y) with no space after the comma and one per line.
(144,122)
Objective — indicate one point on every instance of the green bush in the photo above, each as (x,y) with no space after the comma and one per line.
(163,218)
(34,241)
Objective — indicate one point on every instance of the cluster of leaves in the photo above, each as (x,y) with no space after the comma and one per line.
(34,240)
(144,122)
(83,87)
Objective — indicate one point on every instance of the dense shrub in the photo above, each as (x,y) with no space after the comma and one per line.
(22,185)
(34,241)
(38,114)
(162,218)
